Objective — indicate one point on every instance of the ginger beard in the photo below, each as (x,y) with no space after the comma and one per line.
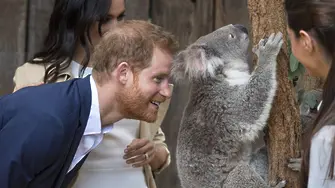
(133,104)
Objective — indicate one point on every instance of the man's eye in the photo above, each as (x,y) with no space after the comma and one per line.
(158,80)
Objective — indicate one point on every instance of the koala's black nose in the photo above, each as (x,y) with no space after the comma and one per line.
(241,27)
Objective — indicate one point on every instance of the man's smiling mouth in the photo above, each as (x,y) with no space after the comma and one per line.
(155,103)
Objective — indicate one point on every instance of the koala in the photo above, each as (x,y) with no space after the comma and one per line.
(227,109)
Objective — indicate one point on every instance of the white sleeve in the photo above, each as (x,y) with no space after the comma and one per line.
(320,152)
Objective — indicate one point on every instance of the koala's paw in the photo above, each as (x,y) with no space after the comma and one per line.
(281,184)
(294,164)
(255,49)
(262,42)
(270,47)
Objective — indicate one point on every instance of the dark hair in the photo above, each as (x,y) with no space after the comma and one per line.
(317,18)
(69,25)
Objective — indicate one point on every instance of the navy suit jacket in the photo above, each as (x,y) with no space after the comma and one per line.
(40,130)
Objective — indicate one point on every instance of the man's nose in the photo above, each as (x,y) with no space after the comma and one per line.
(167,91)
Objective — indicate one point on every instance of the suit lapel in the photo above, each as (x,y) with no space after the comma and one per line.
(84,89)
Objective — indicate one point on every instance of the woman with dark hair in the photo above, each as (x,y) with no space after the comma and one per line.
(75,27)
(311,29)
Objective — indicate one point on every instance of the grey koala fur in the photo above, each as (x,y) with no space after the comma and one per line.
(227,109)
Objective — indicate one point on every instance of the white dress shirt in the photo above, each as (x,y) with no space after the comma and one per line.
(105,166)
(93,133)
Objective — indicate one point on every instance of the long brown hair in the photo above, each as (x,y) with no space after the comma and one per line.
(69,24)
(318,18)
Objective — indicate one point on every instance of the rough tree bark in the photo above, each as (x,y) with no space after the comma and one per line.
(284,128)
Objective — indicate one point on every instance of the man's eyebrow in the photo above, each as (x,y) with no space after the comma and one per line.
(162,75)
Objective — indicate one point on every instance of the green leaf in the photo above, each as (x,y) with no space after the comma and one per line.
(294,63)
(310,99)
(299,71)
(300,95)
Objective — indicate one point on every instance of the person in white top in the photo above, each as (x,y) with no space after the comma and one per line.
(311,30)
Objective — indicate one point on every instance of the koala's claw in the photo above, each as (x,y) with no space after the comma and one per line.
(269,47)
(294,164)
(271,37)
(281,184)
(255,49)
(264,41)
(271,44)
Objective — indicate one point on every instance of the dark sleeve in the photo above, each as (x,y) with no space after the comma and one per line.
(28,145)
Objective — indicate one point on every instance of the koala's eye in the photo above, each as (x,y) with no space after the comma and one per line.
(231,36)
(219,70)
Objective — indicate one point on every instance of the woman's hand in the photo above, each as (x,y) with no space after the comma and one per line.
(140,152)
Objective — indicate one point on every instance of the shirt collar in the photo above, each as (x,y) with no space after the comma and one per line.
(76,68)
(94,120)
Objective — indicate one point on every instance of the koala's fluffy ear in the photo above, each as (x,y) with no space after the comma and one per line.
(178,67)
(189,64)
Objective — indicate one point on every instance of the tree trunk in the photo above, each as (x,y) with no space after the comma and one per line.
(284,128)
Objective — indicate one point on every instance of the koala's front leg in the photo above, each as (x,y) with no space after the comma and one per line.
(257,96)
(244,176)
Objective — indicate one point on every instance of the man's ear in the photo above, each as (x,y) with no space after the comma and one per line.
(123,72)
